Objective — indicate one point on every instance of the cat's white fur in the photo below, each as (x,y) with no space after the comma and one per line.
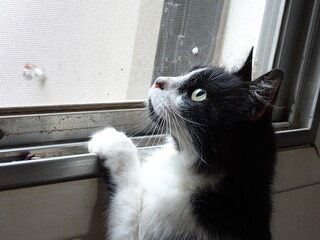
(152,196)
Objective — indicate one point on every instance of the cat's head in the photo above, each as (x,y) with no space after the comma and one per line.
(206,101)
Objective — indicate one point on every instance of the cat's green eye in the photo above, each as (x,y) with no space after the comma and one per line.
(199,95)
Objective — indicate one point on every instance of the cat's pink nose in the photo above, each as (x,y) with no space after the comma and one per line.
(159,83)
(162,83)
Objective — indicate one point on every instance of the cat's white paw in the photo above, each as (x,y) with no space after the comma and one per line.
(115,148)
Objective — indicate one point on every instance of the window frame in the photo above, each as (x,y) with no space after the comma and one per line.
(299,55)
(69,137)
(184,31)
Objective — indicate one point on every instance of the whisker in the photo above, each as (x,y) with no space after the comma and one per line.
(153,129)
(183,158)
(161,131)
(187,120)
(142,126)
(157,124)
(191,147)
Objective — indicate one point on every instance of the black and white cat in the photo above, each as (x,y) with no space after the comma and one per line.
(212,180)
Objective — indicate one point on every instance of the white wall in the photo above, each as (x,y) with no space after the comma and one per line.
(239,31)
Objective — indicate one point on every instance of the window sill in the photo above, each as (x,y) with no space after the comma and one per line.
(71,161)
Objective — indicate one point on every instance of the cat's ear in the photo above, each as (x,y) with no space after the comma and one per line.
(245,73)
(264,91)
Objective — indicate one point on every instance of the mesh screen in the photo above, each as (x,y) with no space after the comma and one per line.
(103,51)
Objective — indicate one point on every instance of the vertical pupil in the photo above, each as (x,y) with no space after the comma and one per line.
(199,94)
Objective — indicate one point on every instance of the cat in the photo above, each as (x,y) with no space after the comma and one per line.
(213,177)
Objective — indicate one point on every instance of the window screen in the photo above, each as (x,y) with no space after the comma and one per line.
(88,50)
(109,51)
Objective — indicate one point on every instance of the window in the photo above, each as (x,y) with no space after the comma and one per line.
(99,58)
(88,51)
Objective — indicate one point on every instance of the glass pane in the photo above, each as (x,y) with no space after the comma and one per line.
(78,52)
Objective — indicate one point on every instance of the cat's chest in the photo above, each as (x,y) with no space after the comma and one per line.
(166,216)
(166,200)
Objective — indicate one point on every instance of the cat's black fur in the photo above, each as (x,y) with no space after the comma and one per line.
(236,139)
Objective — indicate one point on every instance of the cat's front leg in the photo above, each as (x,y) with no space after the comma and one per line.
(120,156)
(118,153)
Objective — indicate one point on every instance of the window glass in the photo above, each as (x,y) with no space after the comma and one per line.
(78,52)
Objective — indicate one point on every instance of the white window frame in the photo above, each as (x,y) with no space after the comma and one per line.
(62,132)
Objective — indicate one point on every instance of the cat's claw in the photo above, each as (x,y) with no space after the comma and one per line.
(115,148)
